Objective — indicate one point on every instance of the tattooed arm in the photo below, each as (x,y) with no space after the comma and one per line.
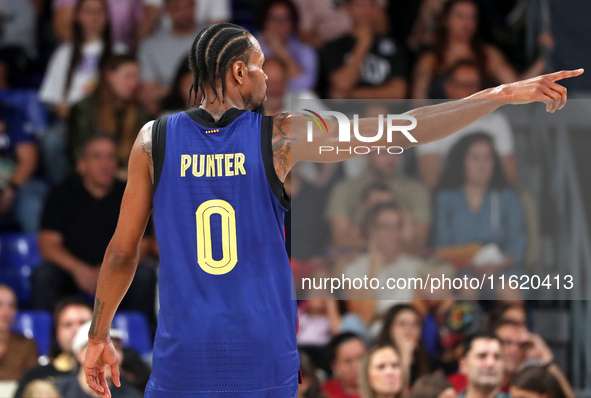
(120,263)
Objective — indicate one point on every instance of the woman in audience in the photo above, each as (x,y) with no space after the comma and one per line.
(112,110)
(458,38)
(131,20)
(17,353)
(535,382)
(310,387)
(381,373)
(73,68)
(478,211)
(402,329)
(278,38)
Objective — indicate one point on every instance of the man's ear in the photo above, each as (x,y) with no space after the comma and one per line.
(462,366)
(238,71)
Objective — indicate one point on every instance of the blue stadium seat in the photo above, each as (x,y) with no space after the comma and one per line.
(28,102)
(136,330)
(19,255)
(35,325)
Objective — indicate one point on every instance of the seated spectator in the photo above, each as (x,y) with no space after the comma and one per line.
(381,373)
(41,389)
(344,209)
(73,69)
(111,110)
(282,98)
(131,20)
(521,348)
(162,53)
(402,330)
(319,319)
(424,26)
(482,364)
(458,38)
(73,252)
(462,80)
(446,324)
(17,353)
(207,12)
(69,315)
(310,387)
(432,386)
(278,38)
(386,258)
(474,205)
(535,382)
(179,98)
(364,63)
(17,42)
(344,354)
(75,386)
(21,191)
(322,21)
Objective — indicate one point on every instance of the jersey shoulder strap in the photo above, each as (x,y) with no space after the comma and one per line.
(158,148)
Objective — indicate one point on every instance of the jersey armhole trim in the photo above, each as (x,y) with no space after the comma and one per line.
(158,149)
(267,152)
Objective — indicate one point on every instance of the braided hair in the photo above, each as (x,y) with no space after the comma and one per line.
(214,48)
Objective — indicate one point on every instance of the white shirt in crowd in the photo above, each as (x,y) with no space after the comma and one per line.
(84,79)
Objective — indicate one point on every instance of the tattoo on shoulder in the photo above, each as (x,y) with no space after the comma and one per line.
(281,146)
(147,142)
(96,318)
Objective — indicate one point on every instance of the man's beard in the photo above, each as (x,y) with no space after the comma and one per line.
(259,109)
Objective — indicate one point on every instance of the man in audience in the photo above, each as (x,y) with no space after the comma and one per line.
(161,54)
(365,63)
(482,364)
(69,315)
(463,80)
(75,385)
(78,222)
(345,208)
(521,348)
(279,97)
(385,258)
(345,351)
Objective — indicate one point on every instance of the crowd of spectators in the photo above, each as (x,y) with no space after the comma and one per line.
(102,68)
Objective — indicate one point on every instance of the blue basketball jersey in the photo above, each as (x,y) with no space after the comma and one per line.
(227,321)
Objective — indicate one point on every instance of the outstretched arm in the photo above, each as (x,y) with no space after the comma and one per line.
(433,122)
(120,263)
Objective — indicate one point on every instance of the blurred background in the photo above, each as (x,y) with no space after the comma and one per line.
(509,195)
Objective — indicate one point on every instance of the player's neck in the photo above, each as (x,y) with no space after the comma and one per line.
(217,108)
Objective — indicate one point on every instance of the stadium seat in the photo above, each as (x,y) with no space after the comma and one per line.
(28,102)
(19,255)
(35,325)
(136,330)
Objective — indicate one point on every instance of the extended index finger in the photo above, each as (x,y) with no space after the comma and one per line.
(564,74)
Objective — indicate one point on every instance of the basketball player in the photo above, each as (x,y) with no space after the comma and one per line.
(214,177)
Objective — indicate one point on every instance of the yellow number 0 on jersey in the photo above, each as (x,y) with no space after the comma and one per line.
(204,250)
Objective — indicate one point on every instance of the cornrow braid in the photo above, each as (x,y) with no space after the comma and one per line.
(214,48)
